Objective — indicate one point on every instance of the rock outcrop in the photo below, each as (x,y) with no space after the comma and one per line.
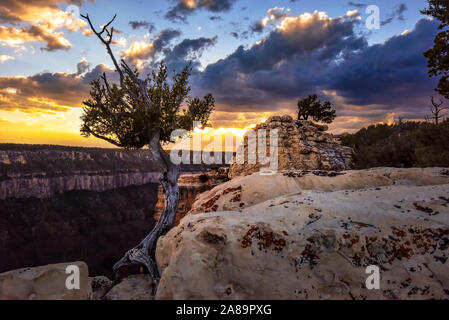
(245,191)
(312,236)
(44,283)
(302,145)
(43,171)
(41,185)
(135,287)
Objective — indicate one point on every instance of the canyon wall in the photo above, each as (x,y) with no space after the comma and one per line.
(67,204)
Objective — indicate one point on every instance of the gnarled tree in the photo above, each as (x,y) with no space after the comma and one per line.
(144,112)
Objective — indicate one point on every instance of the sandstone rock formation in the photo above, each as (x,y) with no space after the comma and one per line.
(40,185)
(44,283)
(302,145)
(244,191)
(312,236)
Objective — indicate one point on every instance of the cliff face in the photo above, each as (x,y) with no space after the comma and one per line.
(67,204)
(40,185)
(42,171)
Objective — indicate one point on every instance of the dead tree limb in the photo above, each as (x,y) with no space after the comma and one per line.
(437,109)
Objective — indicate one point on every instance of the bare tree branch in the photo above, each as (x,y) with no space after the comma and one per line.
(437,109)
(107,43)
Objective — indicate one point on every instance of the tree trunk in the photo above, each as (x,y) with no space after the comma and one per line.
(145,252)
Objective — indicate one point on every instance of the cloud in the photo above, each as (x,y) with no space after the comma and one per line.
(82,67)
(183,8)
(357,5)
(188,50)
(273,15)
(392,75)
(215,18)
(398,12)
(142,24)
(140,51)
(38,21)
(164,38)
(18,36)
(4,58)
(50,93)
(15,11)
(314,53)
(255,75)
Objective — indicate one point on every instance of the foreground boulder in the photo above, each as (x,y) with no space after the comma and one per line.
(44,283)
(135,287)
(302,145)
(315,244)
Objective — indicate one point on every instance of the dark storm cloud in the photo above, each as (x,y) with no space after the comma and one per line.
(326,56)
(50,92)
(188,50)
(164,38)
(183,8)
(393,74)
(286,63)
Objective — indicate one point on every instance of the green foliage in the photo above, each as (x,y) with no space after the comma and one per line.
(121,116)
(312,107)
(404,144)
(437,57)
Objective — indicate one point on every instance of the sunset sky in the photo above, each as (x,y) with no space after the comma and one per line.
(256,57)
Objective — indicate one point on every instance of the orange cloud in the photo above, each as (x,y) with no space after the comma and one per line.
(138,52)
(14,37)
(40,21)
(4,58)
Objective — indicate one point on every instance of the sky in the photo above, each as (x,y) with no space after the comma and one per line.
(257,57)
